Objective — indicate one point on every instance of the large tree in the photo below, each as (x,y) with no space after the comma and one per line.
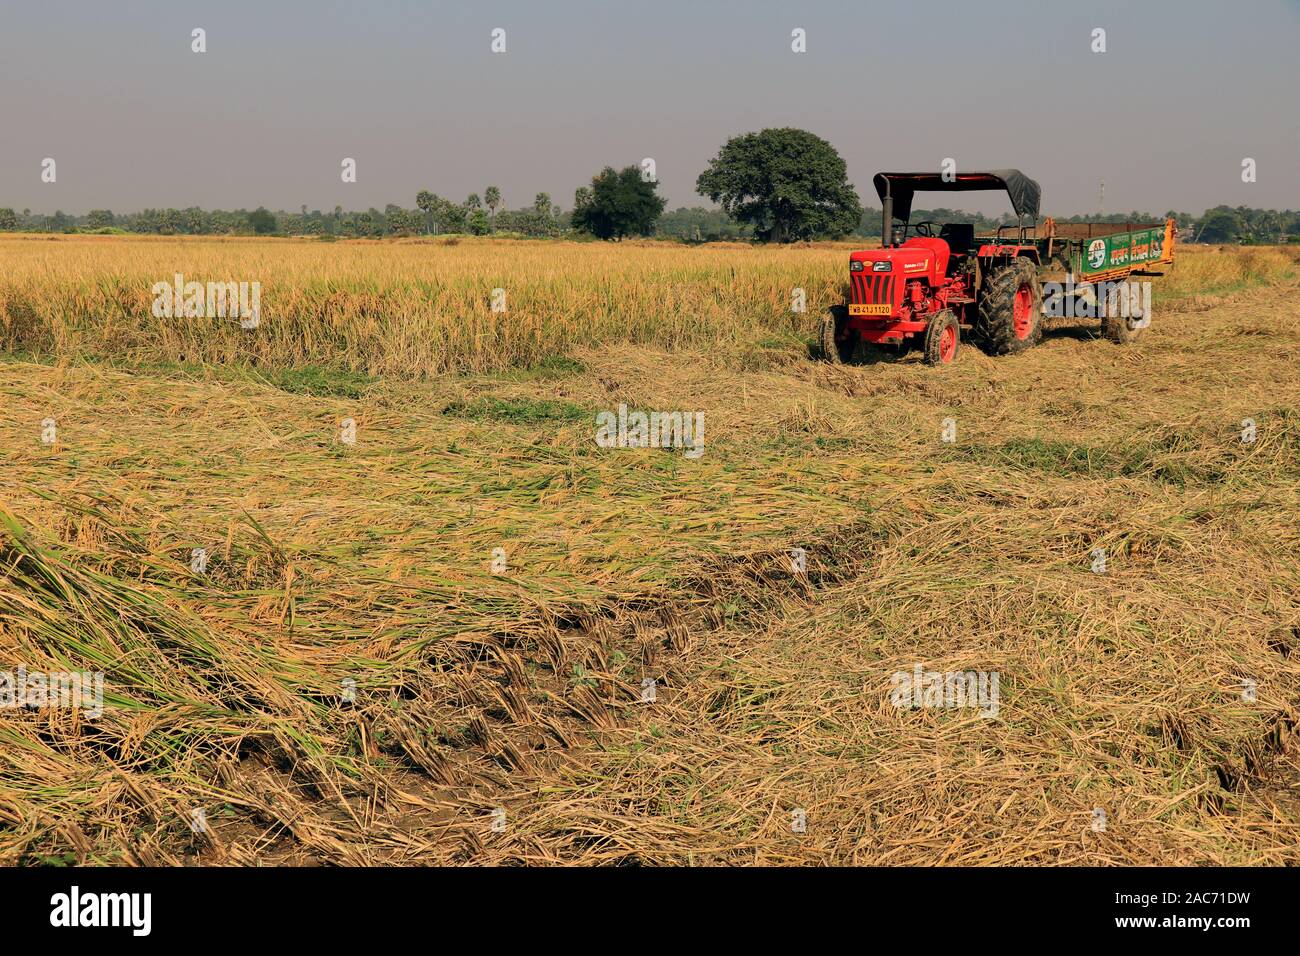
(1220,224)
(261,219)
(789,184)
(618,203)
(445,215)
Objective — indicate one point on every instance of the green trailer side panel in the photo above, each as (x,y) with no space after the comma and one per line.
(1123,249)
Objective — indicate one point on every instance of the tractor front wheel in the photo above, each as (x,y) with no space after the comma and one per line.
(838,343)
(942,339)
(1011,308)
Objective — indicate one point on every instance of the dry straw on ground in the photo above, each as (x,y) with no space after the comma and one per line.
(336,568)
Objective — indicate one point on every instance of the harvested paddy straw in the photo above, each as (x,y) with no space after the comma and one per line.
(470,633)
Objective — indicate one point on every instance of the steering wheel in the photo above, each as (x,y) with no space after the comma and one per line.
(924,228)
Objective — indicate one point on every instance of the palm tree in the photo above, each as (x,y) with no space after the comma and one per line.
(425,201)
(492,197)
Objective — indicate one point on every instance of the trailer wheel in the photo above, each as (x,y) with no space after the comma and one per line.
(838,343)
(1011,309)
(1121,329)
(942,339)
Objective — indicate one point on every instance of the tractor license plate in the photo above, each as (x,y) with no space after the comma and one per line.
(883,308)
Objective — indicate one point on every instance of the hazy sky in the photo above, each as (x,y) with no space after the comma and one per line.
(287,88)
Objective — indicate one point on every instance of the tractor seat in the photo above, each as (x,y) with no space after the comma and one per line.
(960,236)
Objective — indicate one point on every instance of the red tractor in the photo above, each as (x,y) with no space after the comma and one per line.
(938,285)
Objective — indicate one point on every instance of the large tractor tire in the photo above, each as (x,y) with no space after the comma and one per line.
(942,339)
(1011,309)
(837,342)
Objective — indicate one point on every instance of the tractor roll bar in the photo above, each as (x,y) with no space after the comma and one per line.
(897,189)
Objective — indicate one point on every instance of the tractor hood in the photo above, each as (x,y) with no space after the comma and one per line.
(917,258)
(907,260)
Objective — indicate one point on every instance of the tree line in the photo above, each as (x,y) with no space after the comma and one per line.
(777,185)
(694,223)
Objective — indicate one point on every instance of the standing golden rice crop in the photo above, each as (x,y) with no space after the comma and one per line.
(424,307)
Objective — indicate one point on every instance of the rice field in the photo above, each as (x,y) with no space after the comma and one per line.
(421,308)
(432,643)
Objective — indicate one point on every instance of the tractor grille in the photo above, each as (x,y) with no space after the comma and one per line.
(870,288)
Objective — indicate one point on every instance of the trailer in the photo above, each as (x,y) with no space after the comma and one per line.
(943,284)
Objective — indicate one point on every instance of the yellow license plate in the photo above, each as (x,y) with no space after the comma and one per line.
(883,308)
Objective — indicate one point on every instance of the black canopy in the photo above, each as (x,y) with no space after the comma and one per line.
(1024,192)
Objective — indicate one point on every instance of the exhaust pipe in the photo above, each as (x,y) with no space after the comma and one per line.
(887,227)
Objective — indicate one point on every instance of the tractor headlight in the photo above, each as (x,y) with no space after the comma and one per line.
(882,265)
(856,265)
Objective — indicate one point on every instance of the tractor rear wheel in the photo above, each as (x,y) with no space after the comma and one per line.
(1011,308)
(942,339)
(838,342)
